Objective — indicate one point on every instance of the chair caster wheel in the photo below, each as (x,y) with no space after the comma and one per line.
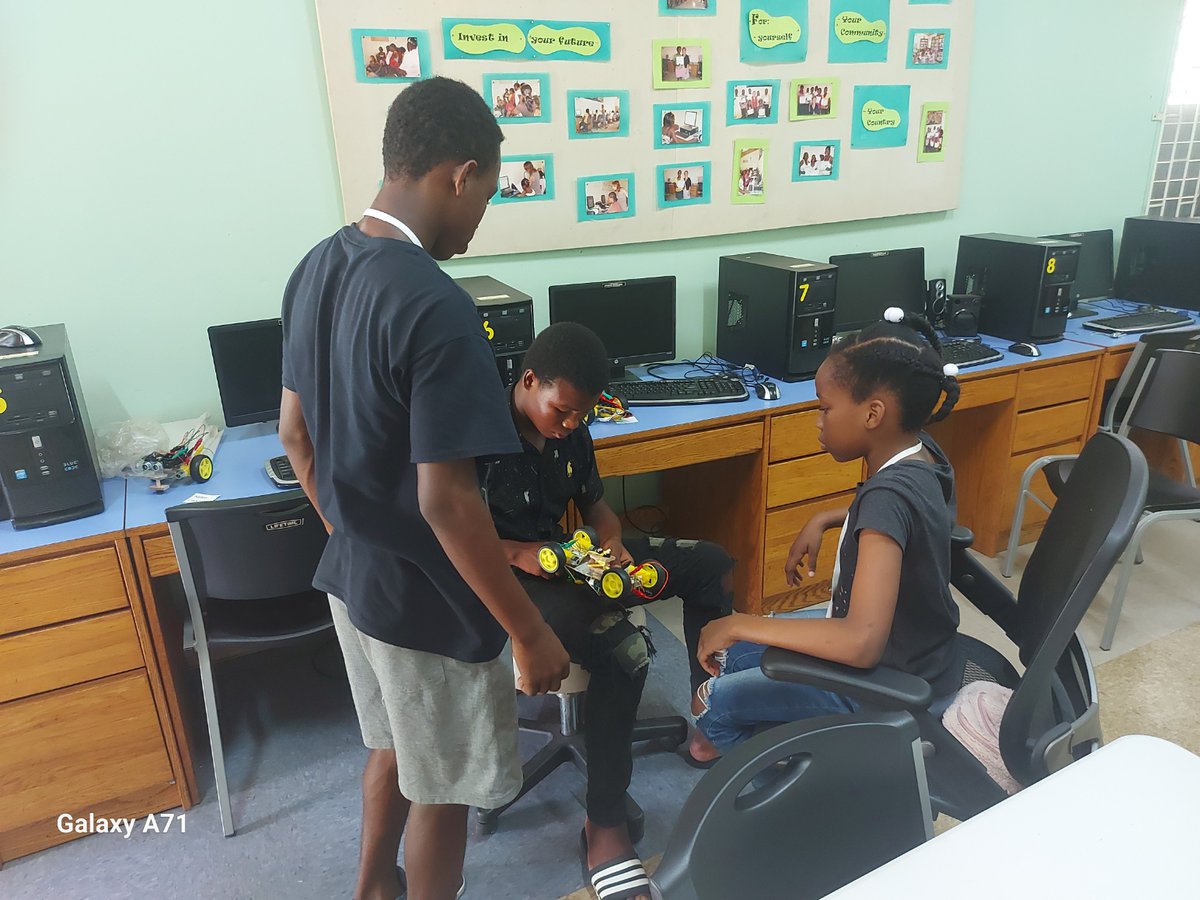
(488,820)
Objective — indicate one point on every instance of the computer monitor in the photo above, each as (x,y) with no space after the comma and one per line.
(691,118)
(1094,277)
(868,283)
(504,183)
(634,318)
(248,359)
(1159,262)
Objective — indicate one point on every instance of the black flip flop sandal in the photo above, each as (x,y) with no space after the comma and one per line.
(621,878)
(686,753)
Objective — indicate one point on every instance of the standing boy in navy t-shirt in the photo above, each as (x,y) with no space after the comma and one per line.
(390,394)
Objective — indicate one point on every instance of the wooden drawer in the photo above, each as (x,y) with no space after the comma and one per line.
(986,391)
(1049,385)
(56,590)
(1034,514)
(680,450)
(794,435)
(1050,426)
(782,527)
(809,478)
(62,655)
(77,750)
(160,556)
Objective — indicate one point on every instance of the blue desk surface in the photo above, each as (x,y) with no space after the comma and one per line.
(112,519)
(238,471)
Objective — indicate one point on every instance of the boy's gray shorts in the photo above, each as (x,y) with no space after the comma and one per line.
(452,724)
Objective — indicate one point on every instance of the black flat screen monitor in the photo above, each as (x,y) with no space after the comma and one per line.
(248,359)
(868,283)
(1094,277)
(1159,262)
(635,318)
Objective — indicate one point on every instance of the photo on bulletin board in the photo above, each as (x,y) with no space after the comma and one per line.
(683,184)
(812,98)
(687,7)
(681,63)
(383,55)
(524,178)
(752,102)
(749,171)
(880,116)
(605,196)
(816,160)
(933,131)
(597,114)
(773,31)
(858,31)
(682,123)
(928,48)
(518,97)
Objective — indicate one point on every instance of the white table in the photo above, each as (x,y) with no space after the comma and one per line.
(1121,822)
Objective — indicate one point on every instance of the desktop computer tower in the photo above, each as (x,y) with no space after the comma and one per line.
(1159,262)
(775,313)
(507,317)
(1024,282)
(48,466)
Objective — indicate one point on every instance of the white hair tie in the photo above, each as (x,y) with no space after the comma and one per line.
(950,370)
(893,314)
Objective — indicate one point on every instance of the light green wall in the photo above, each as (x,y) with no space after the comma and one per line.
(163,167)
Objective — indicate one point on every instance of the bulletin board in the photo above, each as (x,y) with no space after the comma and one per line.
(647,120)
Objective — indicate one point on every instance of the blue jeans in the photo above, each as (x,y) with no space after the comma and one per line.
(743,701)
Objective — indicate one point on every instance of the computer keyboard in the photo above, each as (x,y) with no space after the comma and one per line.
(279,470)
(672,391)
(964,353)
(1154,320)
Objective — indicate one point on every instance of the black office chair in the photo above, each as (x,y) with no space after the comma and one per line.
(1159,391)
(247,568)
(799,811)
(1052,717)
(566,743)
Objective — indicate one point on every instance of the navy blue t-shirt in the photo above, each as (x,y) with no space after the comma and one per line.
(392,367)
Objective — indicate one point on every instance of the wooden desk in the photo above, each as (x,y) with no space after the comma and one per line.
(82,701)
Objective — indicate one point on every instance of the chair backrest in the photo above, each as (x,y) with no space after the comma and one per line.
(250,549)
(1168,399)
(1088,529)
(851,797)
(1115,411)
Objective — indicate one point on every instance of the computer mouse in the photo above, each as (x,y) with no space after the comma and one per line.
(767,390)
(1024,349)
(18,336)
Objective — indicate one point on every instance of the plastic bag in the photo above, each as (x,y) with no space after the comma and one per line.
(123,445)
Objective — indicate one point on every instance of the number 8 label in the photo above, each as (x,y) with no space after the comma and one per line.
(1051,265)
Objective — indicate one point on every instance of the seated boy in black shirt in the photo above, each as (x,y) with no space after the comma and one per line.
(566,368)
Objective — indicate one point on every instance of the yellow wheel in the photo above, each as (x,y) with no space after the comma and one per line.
(615,583)
(652,576)
(551,558)
(200,468)
(585,539)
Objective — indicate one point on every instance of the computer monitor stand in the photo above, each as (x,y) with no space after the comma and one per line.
(1082,311)
(619,374)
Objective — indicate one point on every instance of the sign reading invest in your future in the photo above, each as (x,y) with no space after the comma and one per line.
(526,39)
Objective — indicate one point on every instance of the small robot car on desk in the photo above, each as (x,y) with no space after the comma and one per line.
(585,562)
(187,459)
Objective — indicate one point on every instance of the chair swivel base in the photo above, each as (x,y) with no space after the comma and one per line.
(561,749)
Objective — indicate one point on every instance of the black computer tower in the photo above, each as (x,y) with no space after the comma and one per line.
(507,317)
(48,466)
(1159,262)
(776,313)
(1025,283)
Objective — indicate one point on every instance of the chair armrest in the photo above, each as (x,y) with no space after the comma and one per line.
(984,590)
(881,687)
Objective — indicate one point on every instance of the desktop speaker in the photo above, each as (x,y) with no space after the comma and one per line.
(935,304)
(961,316)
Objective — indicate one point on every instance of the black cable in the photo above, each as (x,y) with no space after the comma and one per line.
(708,366)
(629,518)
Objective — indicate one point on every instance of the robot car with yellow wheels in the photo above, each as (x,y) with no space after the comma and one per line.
(583,560)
